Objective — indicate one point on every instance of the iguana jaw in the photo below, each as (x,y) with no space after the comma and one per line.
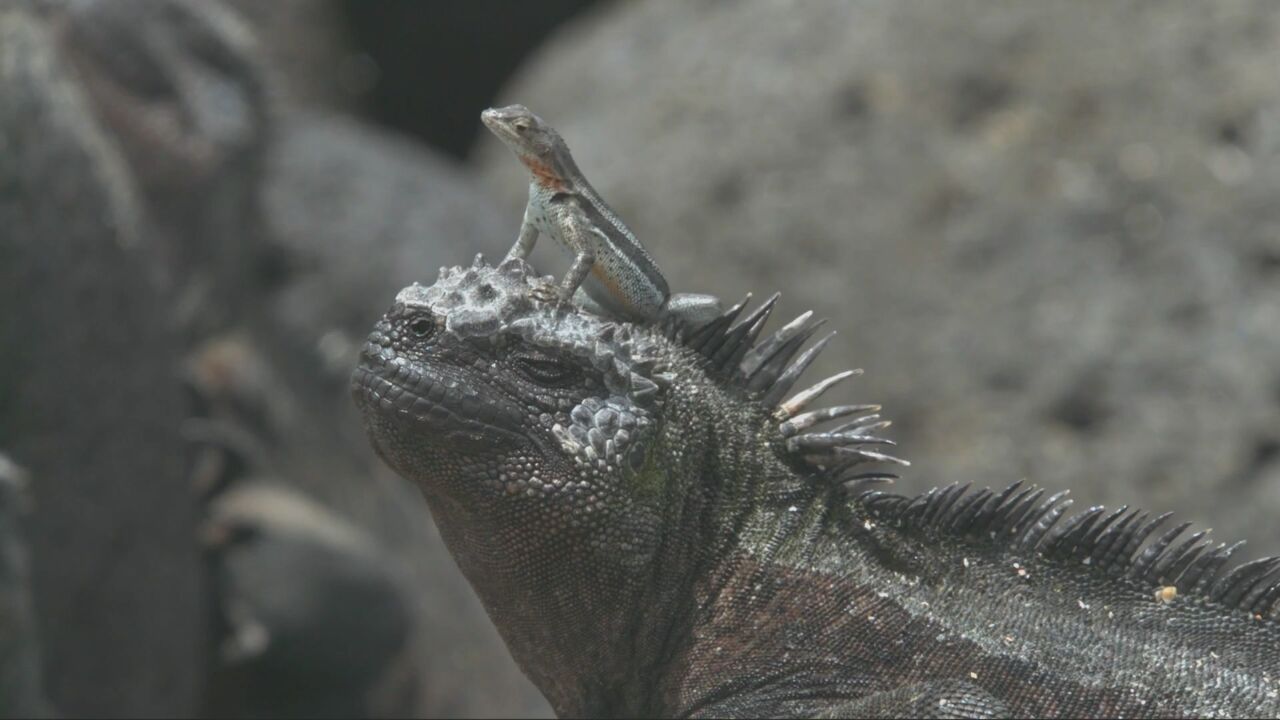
(433,406)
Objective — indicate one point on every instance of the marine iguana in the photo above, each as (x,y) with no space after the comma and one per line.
(658,529)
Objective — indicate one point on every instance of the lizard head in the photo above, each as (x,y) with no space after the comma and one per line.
(532,139)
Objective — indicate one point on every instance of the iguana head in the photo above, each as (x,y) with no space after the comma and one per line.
(536,143)
(490,398)
(581,470)
(532,434)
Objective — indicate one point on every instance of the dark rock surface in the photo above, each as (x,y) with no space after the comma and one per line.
(422,69)
(358,213)
(335,640)
(437,64)
(1048,231)
(21,682)
(306,52)
(90,401)
(181,258)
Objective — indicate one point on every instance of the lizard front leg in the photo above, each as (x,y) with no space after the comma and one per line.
(524,246)
(528,236)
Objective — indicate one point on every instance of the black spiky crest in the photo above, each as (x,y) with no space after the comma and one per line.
(769,370)
(1016,518)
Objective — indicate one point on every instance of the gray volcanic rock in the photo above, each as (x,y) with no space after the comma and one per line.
(90,401)
(21,683)
(1048,231)
(172,246)
(306,51)
(356,214)
(336,640)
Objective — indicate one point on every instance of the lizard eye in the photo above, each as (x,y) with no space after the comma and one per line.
(521,126)
(546,371)
(422,328)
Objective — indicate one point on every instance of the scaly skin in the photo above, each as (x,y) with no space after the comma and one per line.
(654,533)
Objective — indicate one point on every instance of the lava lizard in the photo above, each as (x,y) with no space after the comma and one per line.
(618,276)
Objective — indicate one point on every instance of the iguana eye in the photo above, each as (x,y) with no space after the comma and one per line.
(522,126)
(546,371)
(422,328)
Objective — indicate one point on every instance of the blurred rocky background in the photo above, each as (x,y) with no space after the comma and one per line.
(1049,232)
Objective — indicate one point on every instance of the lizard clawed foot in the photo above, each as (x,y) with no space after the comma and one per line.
(553,295)
(547,293)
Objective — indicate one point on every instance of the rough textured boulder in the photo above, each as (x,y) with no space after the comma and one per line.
(306,51)
(174,260)
(359,213)
(177,87)
(1049,232)
(335,640)
(21,683)
(90,401)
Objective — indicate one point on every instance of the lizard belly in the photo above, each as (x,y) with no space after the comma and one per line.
(609,285)
(540,213)
(613,283)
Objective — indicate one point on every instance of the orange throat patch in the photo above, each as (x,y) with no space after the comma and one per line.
(543,174)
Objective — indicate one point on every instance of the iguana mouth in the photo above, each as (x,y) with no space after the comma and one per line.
(412,394)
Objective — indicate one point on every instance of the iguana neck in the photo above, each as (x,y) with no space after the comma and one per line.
(766,635)
(742,490)
(601,643)
(759,583)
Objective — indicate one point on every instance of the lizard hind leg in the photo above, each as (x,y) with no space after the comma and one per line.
(693,309)
(578,272)
(586,302)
